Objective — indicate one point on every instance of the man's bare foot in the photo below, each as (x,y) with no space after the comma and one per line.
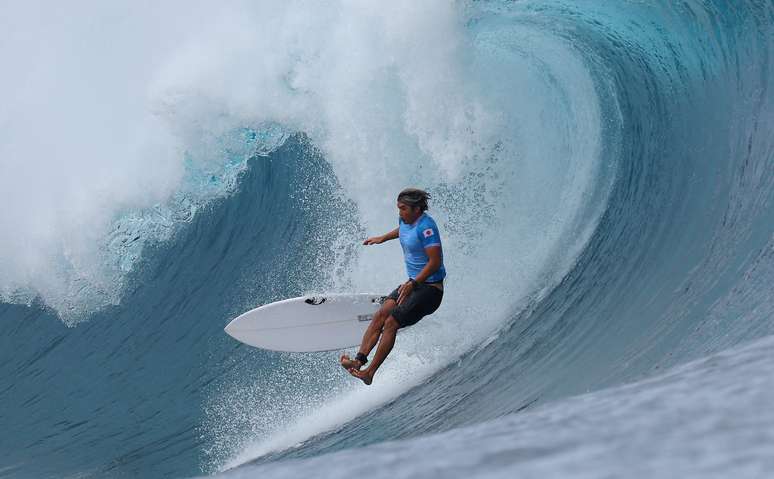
(349,363)
(365,375)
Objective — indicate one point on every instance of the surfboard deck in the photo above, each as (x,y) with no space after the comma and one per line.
(307,323)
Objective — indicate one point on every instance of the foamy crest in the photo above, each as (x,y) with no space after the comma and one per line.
(104,110)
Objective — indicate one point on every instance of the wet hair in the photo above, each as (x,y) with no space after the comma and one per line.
(414,197)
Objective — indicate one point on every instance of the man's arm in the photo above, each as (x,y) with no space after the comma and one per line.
(381,239)
(433,263)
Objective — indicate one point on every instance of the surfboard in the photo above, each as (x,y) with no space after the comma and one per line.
(308,323)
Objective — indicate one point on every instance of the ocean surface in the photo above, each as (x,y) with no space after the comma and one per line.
(602,175)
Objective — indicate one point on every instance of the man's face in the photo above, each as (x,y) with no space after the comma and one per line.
(407,213)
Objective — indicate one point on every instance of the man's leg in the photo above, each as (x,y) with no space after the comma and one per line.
(371,336)
(386,343)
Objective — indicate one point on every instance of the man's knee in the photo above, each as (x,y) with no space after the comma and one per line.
(383,312)
(391,324)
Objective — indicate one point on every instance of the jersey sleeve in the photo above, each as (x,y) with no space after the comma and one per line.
(428,235)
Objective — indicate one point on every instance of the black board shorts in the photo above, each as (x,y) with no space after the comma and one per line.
(423,300)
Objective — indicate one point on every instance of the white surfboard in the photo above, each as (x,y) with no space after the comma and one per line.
(308,323)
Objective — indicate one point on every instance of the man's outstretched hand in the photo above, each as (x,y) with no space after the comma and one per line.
(374,240)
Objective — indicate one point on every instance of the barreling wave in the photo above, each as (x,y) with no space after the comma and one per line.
(603,177)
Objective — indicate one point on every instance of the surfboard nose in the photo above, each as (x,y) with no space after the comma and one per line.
(230,329)
(233,330)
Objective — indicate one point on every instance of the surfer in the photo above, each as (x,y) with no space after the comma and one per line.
(419,296)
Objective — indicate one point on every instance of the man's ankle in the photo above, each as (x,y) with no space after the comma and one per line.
(361,358)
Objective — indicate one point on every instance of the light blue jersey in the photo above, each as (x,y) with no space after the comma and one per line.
(414,238)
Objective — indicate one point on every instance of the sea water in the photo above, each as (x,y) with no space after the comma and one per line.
(602,176)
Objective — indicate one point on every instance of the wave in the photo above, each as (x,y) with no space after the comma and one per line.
(603,184)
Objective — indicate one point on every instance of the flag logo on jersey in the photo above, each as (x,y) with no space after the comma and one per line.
(428,232)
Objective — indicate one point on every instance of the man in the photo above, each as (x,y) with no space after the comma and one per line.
(411,301)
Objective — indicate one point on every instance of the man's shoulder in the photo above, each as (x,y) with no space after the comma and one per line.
(428,221)
(427,228)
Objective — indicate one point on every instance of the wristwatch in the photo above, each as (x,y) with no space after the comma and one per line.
(413,282)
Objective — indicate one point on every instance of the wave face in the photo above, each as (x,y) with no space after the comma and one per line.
(603,177)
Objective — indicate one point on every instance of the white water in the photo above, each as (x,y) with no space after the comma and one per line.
(109,108)
(103,101)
